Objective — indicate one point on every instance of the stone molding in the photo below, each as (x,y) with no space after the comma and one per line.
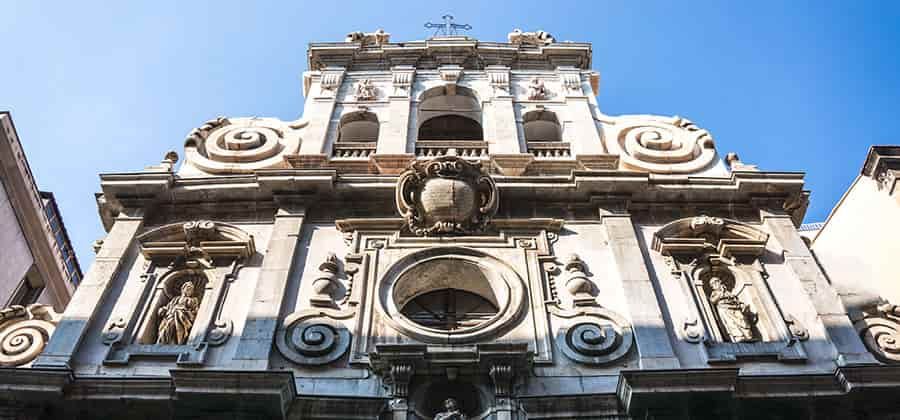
(450,51)
(750,189)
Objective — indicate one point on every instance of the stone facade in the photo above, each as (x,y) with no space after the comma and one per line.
(454,230)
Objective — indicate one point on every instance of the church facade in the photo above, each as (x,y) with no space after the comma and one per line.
(453,230)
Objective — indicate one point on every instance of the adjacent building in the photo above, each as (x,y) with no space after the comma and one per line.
(37,263)
(454,230)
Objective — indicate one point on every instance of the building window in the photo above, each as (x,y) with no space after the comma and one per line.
(26,292)
(449,309)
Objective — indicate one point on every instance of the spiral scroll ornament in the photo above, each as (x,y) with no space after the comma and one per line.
(881,334)
(665,145)
(24,331)
(596,339)
(240,145)
(309,338)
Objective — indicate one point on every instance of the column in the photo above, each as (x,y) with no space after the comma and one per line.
(90,293)
(262,320)
(650,333)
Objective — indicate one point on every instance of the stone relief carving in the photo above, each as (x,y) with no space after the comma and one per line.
(530,38)
(880,331)
(402,79)
(24,332)
(499,78)
(240,145)
(331,80)
(450,74)
(693,332)
(446,195)
(177,317)
(572,82)
(366,90)
(595,336)
(378,37)
(537,91)
(313,337)
(885,179)
(735,317)
(451,411)
(663,145)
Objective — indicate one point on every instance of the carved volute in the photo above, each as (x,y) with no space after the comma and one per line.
(446,195)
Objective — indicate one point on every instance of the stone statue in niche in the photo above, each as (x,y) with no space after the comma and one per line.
(177,317)
(537,90)
(735,316)
(451,411)
(365,90)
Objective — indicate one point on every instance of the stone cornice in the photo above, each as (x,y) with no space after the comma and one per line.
(641,389)
(451,50)
(766,189)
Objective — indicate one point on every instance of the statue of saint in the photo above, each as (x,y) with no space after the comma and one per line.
(735,316)
(177,317)
(451,411)
(537,90)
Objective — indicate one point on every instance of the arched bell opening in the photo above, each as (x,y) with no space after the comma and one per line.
(449,113)
(541,126)
(358,127)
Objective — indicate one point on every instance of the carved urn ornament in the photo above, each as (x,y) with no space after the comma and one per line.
(446,195)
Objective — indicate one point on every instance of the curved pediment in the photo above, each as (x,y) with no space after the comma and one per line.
(214,238)
(695,235)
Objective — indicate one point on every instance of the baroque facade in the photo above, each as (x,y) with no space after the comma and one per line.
(453,230)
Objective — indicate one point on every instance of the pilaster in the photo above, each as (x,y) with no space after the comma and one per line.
(319,109)
(654,348)
(505,136)
(580,130)
(93,289)
(393,136)
(824,298)
(262,319)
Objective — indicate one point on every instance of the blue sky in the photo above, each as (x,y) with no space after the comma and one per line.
(111,86)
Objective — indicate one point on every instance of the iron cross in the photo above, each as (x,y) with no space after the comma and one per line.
(447,28)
